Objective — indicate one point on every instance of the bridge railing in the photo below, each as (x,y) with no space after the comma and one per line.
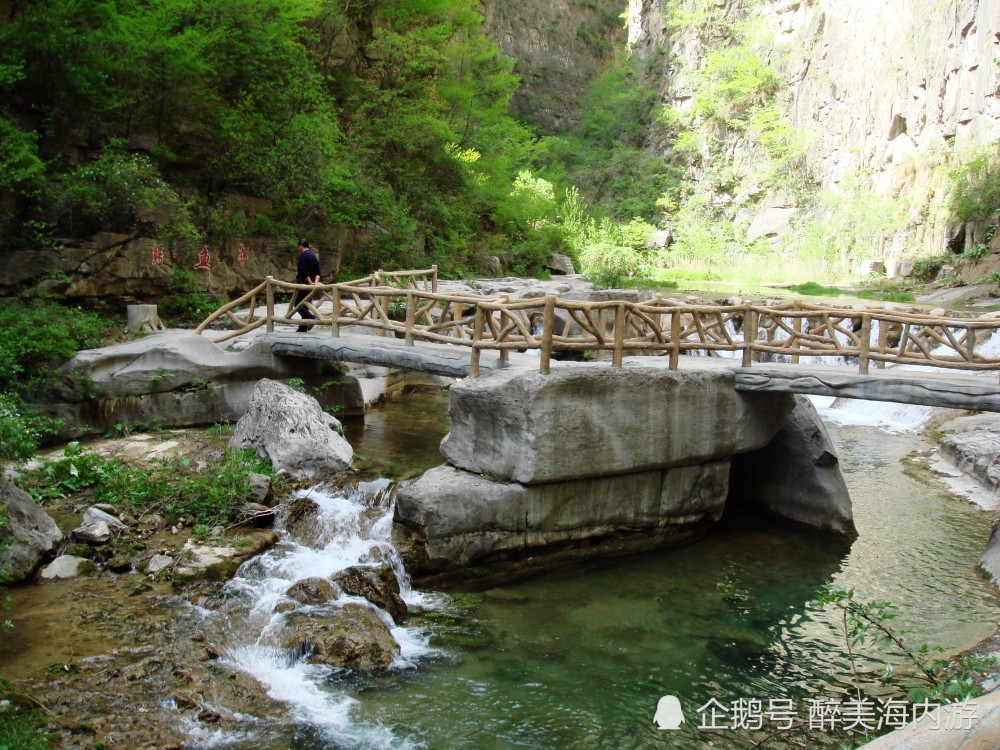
(407,305)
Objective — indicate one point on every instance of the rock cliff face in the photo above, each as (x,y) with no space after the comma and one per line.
(883,90)
(559,46)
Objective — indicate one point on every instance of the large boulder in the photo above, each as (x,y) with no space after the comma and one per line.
(350,637)
(973,443)
(797,475)
(31,531)
(378,585)
(290,429)
(461,518)
(592,420)
(172,361)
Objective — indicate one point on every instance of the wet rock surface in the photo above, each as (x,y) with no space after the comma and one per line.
(351,637)
(380,586)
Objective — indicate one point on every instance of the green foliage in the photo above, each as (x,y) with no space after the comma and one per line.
(21,429)
(735,83)
(607,154)
(186,300)
(976,186)
(926,269)
(814,289)
(886,295)
(855,221)
(211,496)
(120,190)
(22,728)
(264,99)
(612,253)
(924,675)
(35,338)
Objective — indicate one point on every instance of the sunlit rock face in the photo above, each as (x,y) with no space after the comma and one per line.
(883,91)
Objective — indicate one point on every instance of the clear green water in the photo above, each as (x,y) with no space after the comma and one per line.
(578,658)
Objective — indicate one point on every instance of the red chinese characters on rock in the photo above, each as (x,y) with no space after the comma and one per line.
(241,255)
(203,259)
(157,255)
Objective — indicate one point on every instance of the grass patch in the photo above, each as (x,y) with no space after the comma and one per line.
(886,295)
(812,289)
(211,496)
(23,729)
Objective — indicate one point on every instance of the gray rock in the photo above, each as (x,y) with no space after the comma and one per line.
(973,444)
(66,566)
(351,637)
(797,475)
(158,562)
(312,591)
(31,531)
(378,585)
(290,429)
(96,532)
(94,514)
(462,517)
(261,489)
(595,421)
(301,522)
(560,263)
(989,563)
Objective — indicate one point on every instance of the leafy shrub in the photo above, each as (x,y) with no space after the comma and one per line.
(186,300)
(211,496)
(120,190)
(976,195)
(814,289)
(35,338)
(21,430)
(610,265)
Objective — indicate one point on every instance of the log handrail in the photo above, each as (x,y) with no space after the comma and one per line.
(410,307)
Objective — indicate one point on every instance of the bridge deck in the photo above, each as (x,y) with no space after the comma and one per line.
(951,390)
(382,351)
(923,386)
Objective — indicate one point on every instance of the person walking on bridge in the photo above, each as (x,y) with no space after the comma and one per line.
(307,273)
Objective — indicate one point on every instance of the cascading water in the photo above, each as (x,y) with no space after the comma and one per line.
(351,527)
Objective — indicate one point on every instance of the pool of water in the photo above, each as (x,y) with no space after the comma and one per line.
(580,657)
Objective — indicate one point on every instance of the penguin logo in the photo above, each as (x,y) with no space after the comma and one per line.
(669,714)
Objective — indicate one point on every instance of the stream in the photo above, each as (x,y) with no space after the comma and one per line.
(579,657)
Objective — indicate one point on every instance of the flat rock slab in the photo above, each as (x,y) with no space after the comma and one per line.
(925,387)
(436,359)
(593,420)
(464,517)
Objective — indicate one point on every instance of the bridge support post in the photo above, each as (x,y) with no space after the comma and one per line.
(675,338)
(411,311)
(335,321)
(864,343)
(548,324)
(477,335)
(434,278)
(749,334)
(269,295)
(619,335)
(883,340)
(797,327)
(602,328)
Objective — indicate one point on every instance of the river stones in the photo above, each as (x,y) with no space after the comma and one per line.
(353,636)
(312,591)
(379,585)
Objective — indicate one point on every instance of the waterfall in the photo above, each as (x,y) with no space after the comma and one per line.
(352,527)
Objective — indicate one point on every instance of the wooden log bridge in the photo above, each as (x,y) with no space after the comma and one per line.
(792,347)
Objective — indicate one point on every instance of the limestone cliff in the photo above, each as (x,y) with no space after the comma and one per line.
(558,46)
(885,91)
